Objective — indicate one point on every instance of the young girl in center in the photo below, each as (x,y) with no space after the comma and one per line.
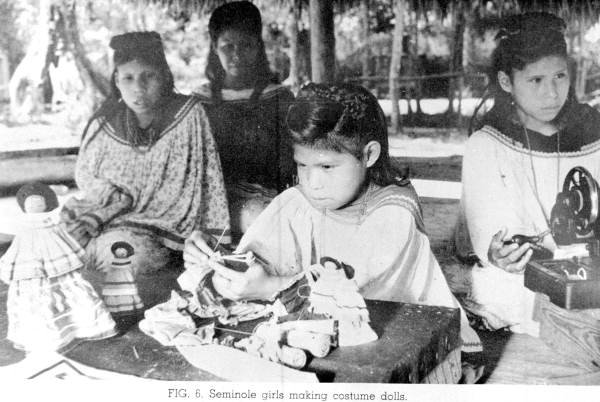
(348,205)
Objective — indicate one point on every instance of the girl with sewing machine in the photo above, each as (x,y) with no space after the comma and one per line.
(149,173)
(349,205)
(515,164)
(246,106)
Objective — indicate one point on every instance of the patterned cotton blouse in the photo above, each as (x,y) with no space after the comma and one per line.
(170,187)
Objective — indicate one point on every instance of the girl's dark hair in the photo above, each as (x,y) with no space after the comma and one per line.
(145,47)
(342,118)
(524,39)
(241,16)
(36,188)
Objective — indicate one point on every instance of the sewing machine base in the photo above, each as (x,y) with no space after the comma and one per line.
(550,277)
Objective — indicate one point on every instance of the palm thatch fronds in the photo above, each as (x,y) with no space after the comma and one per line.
(585,12)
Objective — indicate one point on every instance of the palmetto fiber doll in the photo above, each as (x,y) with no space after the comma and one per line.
(49,303)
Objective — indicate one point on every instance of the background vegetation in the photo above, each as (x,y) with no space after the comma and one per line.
(56,51)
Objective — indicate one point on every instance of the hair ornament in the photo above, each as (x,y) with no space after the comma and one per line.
(355,104)
(136,41)
(531,24)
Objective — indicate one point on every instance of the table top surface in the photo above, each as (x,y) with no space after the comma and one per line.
(409,335)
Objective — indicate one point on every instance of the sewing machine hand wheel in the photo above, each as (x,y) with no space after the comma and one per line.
(580,195)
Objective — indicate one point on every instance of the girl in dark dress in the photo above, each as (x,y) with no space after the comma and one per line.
(246,107)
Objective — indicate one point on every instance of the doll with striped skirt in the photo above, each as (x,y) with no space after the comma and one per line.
(49,303)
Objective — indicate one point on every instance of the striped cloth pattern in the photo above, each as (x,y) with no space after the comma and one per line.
(49,313)
(41,249)
(120,291)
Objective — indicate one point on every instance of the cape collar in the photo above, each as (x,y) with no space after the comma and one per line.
(123,125)
(579,126)
(375,197)
(204,92)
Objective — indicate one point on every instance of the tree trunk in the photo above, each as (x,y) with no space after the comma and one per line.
(409,59)
(457,52)
(322,40)
(89,89)
(582,66)
(418,68)
(57,22)
(399,7)
(366,52)
(26,84)
(294,55)
(70,35)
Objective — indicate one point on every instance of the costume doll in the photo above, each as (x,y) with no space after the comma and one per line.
(49,304)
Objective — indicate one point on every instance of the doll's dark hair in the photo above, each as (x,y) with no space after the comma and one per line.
(37,188)
(524,39)
(241,16)
(145,47)
(342,118)
(122,245)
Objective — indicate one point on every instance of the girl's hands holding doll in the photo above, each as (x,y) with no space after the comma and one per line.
(197,252)
(253,284)
(509,257)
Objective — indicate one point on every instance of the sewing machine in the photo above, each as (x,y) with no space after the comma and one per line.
(572,278)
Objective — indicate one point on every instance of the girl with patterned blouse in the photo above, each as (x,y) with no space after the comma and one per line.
(149,174)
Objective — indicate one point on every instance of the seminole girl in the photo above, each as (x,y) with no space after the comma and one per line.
(149,175)
(514,166)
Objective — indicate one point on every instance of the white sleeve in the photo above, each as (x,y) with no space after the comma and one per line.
(487,201)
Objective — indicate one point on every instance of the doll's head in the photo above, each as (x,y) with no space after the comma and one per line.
(121,249)
(36,198)
(333,264)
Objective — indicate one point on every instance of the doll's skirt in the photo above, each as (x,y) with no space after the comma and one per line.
(41,252)
(49,313)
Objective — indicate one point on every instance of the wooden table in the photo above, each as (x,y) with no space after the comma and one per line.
(416,344)
(575,334)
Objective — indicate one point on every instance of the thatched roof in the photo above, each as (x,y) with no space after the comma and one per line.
(571,10)
(206,6)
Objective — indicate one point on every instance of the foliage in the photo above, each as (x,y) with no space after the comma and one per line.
(14,18)
(427,34)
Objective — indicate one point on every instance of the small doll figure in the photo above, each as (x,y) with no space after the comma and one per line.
(49,303)
(120,290)
(334,293)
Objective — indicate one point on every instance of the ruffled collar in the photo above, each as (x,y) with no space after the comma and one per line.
(126,126)
(38,220)
(578,126)
(205,93)
(373,197)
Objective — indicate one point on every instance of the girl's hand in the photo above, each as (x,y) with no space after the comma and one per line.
(254,284)
(80,231)
(197,252)
(512,257)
